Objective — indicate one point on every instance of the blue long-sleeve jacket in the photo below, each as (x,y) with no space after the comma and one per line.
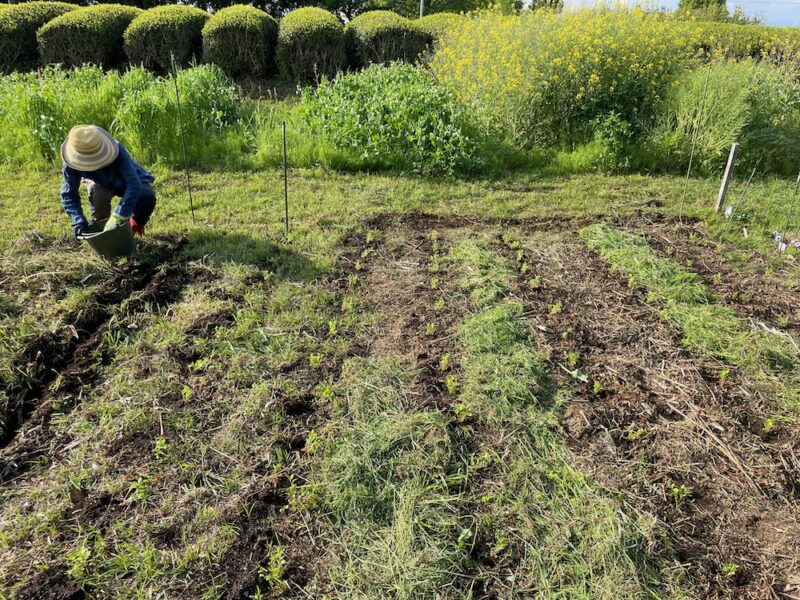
(123,176)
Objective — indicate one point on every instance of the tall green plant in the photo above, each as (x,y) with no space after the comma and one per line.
(396,114)
(708,109)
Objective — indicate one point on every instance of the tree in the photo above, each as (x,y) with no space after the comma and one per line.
(701,4)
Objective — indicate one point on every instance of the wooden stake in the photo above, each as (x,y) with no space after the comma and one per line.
(726,179)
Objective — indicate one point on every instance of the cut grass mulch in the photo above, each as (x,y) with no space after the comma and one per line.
(658,425)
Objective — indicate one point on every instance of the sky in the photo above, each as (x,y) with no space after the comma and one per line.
(783,13)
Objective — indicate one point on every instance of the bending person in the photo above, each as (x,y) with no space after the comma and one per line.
(91,155)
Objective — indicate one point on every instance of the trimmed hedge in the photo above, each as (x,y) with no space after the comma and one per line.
(241,39)
(156,32)
(438,24)
(381,36)
(18,26)
(311,44)
(88,35)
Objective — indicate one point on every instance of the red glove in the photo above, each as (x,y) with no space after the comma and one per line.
(136,228)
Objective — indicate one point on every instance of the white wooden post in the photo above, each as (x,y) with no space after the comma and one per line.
(726,179)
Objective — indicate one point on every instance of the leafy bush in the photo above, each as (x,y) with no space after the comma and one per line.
(381,37)
(241,40)
(311,44)
(396,114)
(753,103)
(155,33)
(543,77)
(438,24)
(147,119)
(18,26)
(88,35)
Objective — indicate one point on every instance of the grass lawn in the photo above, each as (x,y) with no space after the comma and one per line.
(539,386)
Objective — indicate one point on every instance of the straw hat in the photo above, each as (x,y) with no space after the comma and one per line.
(89,148)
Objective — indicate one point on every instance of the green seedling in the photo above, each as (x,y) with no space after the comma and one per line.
(597,387)
(78,561)
(576,374)
(634,434)
(723,376)
(430,328)
(535,283)
(451,383)
(367,252)
(556,308)
(332,328)
(353,280)
(358,265)
(141,488)
(315,360)
(439,305)
(312,441)
(520,255)
(160,448)
(573,358)
(500,545)
(462,411)
(465,539)
(524,268)
(434,283)
(444,362)
(276,569)
(186,393)
(327,392)
(771,424)
(679,493)
(729,569)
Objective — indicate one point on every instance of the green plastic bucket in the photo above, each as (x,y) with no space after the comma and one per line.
(114,243)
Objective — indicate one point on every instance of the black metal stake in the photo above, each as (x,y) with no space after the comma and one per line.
(183,137)
(285,182)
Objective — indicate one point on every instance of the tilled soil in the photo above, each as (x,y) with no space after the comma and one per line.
(662,429)
(746,287)
(63,362)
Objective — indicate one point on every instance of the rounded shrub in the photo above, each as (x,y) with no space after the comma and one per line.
(311,44)
(381,36)
(155,33)
(18,27)
(241,40)
(92,34)
(438,24)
